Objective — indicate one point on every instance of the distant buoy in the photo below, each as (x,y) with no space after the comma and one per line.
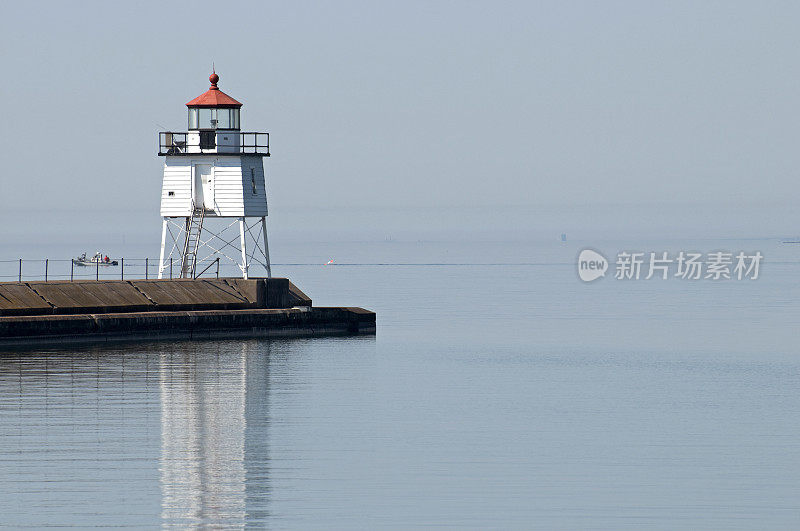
(563,237)
(330,262)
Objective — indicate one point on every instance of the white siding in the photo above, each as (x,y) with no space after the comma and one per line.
(233,186)
(228,186)
(178,180)
(255,204)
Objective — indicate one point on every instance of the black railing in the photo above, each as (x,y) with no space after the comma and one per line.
(180,143)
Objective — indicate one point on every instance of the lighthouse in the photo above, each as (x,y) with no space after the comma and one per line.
(213,187)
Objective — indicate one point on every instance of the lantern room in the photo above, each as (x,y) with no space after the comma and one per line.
(214,122)
(213,109)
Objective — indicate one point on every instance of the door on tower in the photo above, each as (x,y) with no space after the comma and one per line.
(204,186)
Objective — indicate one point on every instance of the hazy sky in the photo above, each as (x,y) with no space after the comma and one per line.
(394,104)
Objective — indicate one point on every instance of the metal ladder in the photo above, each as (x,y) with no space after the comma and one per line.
(194,226)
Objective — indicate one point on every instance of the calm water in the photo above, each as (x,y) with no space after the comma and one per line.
(508,395)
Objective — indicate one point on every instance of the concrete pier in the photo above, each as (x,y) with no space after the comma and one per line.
(63,311)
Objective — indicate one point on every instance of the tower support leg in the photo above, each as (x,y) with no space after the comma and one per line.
(266,245)
(242,241)
(163,243)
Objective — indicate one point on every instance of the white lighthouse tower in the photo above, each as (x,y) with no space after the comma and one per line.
(213,184)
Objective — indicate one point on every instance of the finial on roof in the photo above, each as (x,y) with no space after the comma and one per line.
(214,78)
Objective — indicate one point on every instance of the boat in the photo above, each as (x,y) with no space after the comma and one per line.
(99,259)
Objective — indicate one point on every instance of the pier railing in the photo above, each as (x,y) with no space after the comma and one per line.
(25,270)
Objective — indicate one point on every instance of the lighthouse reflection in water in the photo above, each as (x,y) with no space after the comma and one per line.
(142,434)
(213,439)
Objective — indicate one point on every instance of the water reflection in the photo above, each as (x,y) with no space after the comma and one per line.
(109,435)
(213,463)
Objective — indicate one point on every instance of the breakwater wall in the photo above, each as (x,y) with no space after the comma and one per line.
(62,311)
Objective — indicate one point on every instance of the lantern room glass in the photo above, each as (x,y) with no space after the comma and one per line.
(213,118)
(223,118)
(193,118)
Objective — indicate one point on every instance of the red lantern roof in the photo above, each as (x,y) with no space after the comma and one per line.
(214,97)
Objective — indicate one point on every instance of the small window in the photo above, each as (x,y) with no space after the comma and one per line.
(253,179)
(235,119)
